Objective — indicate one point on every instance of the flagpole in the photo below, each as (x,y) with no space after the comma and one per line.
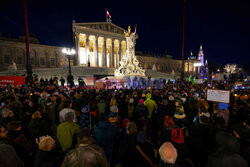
(183,40)
(28,65)
(106,15)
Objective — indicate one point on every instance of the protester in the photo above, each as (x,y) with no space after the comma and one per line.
(86,154)
(168,155)
(67,131)
(8,157)
(128,125)
(104,135)
(45,156)
(66,109)
(150,104)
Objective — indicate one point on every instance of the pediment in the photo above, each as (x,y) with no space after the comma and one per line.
(104,26)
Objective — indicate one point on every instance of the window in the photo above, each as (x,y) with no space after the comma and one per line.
(52,61)
(6,59)
(19,60)
(32,60)
(42,61)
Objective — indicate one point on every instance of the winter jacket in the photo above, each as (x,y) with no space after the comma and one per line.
(8,156)
(66,132)
(45,159)
(38,127)
(51,111)
(141,112)
(128,152)
(86,155)
(227,152)
(20,143)
(200,137)
(151,106)
(104,135)
(161,112)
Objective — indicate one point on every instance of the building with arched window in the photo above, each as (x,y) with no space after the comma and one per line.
(99,48)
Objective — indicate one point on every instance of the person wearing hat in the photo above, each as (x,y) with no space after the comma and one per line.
(113,115)
(141,111)
(86,154)
(104,135)
(180,116)
(170,105)
(150,104)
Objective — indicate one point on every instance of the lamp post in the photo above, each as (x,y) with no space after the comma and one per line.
(69,52)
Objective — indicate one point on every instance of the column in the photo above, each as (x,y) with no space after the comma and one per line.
(87,50)
(104,64)
(96,51)
(77,49)
(120,52)
(116,57)
(112,55)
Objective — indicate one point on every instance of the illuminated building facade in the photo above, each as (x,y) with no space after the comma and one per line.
(99,48)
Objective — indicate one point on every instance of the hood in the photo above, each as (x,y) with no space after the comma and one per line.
(148,96)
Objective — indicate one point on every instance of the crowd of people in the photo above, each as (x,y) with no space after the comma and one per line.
(43,124)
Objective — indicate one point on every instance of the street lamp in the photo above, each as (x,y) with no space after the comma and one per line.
(69,52)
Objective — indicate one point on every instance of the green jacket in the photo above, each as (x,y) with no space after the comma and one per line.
(151,106)
(66,131)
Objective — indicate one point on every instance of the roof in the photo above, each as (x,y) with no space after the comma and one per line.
(104,26)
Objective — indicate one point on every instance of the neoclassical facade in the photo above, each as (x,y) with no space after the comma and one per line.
(98,45)
(102,44)
(41,56)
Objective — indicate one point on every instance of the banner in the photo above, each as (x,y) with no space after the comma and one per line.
(199,81)
(100,85)
(222,96)
(12,80)
(90,80)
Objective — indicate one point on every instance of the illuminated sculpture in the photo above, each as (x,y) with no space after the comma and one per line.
(129,63)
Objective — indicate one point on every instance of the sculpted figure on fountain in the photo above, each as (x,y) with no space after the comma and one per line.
(129,63)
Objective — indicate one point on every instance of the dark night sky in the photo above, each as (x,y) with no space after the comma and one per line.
(222,27)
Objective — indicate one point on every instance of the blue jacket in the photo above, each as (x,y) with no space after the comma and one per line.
(104,135)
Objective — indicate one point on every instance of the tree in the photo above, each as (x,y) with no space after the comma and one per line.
(231,68)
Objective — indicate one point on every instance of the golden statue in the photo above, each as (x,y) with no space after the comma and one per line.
(129,63)
(127,33)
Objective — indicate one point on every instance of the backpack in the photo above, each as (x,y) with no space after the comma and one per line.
(177,135)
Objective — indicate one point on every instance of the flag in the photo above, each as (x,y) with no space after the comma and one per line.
(108,14)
